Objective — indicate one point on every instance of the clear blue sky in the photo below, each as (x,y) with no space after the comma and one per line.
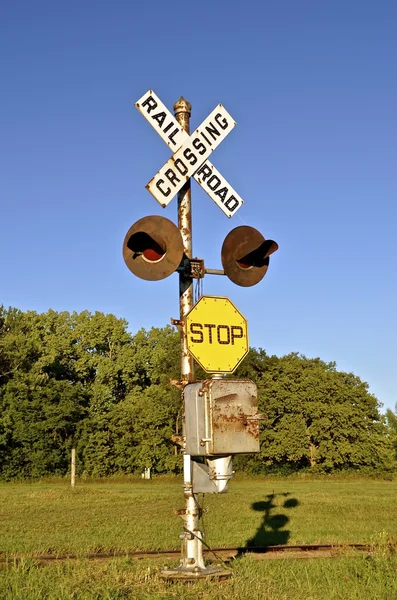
(313,88)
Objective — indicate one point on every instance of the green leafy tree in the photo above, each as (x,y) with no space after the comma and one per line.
(315,415)
(61,377)
(391,419)
(136,432)
(39,425)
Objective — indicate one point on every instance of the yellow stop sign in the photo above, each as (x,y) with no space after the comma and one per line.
(217,334)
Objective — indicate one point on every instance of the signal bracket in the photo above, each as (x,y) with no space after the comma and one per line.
(196,268)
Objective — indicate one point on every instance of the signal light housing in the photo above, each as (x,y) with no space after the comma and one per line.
(245,255)
(153,248)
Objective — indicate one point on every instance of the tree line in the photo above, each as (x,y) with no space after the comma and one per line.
(83,380)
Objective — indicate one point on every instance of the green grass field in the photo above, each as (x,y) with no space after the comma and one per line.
(137,515)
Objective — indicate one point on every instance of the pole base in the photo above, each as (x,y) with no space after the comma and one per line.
(193,574)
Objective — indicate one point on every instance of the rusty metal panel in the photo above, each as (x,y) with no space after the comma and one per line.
(233,417)
(221,417)
(191,155)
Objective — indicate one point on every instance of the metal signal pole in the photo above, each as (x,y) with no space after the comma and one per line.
(182,110)
(192,549)
(192,564)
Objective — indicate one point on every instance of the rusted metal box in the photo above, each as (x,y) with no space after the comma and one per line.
(221,417)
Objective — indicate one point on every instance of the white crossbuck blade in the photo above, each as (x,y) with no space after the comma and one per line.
(190,154)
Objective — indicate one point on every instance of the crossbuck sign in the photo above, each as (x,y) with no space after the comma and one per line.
(190,154)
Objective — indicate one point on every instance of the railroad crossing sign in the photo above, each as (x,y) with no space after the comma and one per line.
(217,334)
(190,154)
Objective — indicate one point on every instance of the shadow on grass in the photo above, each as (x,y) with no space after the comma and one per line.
(271,531)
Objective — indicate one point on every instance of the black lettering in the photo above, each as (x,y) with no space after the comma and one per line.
(229,203)
(158,186)
(216,183)
(171,176)
(199,146)
(151,104)
(218,331)
(159,118)
(190,156)
(236,333)
(168,127)
(210,327)
(205,171)
(205,137)
(180,165)
(222,124)
(212,131)
(222,193)
(196,329)
(170,137)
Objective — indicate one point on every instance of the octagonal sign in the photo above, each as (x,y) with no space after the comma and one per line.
(217,334)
